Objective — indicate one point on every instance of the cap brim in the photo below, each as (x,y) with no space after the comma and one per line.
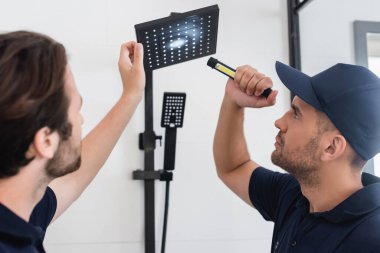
(298,83)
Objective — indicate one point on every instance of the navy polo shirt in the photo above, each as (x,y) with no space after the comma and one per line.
(19,236)
(352,226)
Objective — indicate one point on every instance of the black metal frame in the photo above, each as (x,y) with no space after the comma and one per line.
(294,7)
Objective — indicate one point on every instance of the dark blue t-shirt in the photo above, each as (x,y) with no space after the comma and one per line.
(351,227)
(19,236)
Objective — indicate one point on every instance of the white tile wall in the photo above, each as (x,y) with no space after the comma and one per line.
(204,215)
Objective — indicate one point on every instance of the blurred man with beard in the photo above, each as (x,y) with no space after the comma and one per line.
(44,164)
(325,203)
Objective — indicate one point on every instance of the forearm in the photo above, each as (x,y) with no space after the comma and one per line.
(98,144)
(233,163)
(230,148)
(96,147)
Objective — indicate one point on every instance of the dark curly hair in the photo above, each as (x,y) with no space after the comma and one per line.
(32,95)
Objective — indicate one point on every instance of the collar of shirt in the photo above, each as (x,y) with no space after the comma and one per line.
(358,204)
(13,226)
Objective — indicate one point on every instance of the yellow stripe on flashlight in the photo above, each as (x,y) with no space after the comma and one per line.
(225,70)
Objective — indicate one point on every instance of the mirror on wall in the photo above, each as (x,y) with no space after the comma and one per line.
(373,48)
(367,53)
(373,54)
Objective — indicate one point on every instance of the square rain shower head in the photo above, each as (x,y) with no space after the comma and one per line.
(178,38)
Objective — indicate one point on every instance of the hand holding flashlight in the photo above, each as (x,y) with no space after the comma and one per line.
(230,72)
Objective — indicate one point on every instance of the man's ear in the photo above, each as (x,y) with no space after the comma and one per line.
(335,146)
(45,144)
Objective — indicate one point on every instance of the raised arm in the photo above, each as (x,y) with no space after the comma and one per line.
(233,163)
(98,144)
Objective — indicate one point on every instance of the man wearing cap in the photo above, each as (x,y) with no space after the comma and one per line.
(325,203)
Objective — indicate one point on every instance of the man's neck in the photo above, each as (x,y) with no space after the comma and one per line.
(21,193)
(331,190)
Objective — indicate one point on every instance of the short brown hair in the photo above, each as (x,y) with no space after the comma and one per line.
(325,124)
(32,94)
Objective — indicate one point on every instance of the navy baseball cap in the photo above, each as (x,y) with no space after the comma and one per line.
(349,95)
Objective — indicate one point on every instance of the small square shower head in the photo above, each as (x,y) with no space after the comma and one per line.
(178,38)
(173,109)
